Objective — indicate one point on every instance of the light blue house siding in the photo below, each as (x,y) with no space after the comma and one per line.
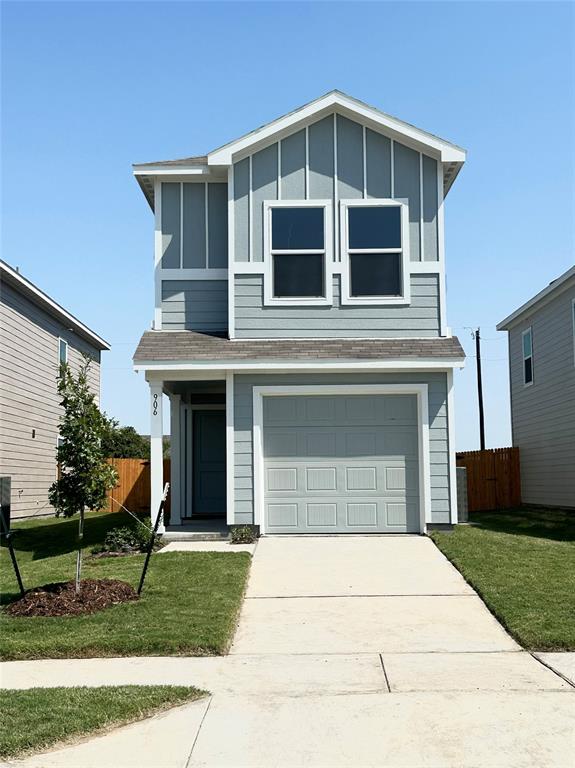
(343,160)
(200,305)
(420,318)
(194,222)
(438,430)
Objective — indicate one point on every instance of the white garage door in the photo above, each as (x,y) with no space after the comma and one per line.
(341,464)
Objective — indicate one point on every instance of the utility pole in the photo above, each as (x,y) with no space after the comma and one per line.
(480,390)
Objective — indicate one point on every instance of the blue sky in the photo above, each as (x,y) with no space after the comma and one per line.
(89,88)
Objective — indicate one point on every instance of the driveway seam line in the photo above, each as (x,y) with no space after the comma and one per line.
(326,597)
(555,671)
(198,732)
(384,673)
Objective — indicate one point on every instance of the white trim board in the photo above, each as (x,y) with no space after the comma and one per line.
(446,151)
(419,364)
(421,392)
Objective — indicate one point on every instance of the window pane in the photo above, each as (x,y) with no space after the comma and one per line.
(63,352)
(298,275)
(375,274)
(375,227)
(528,370)
(527,344)
(297,229)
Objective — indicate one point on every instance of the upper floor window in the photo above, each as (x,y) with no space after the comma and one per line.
(62,352)
(375,252)
(297,242)
(527,341)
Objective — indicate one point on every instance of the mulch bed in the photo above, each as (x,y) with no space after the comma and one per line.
(60,598)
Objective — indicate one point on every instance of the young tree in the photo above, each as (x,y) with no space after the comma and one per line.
(85,476)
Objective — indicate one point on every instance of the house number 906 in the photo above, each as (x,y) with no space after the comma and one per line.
(155,405)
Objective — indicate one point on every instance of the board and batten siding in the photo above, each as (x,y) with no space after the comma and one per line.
(420,318)
(543,413)
(194,225)
(335,158)
(243,421)
(198,305)
(29,400)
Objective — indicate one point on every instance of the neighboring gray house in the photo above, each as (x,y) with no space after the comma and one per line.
(300,327)
(542,382)
(36,335)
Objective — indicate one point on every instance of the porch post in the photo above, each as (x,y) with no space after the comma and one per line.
(156,450)
(175,461)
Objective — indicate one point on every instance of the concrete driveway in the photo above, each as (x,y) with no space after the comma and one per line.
(350,651)
(373,651)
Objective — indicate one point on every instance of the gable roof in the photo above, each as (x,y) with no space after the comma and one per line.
(554,288)
(450,155)
(12,277)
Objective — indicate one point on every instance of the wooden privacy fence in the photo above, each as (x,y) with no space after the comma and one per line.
(493,478)
(133,489)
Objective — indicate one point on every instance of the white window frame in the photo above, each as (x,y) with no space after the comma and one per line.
(525,357)
(346,297)
(65,343)
(319,301)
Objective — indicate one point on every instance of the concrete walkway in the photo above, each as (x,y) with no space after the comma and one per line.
(350,651)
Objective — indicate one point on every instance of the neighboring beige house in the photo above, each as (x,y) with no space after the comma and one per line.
(542,383)
(36,335)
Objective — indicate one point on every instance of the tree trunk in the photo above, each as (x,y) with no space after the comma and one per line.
(79,555)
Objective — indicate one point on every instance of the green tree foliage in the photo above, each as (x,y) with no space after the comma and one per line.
(125,443)
(85,476)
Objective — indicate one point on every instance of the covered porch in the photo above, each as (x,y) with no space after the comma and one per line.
(199,412)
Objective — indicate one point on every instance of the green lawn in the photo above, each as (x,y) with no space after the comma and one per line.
(189,605)
(522,563)
(38,718)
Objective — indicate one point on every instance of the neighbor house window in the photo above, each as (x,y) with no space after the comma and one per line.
(62,351)
(297,238)
(527,340)
(375,251)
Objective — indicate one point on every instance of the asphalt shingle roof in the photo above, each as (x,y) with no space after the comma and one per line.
(191,346)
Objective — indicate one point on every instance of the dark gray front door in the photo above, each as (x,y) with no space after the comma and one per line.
(209,463)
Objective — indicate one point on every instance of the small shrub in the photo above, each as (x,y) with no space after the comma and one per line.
(243,534)
(127,538)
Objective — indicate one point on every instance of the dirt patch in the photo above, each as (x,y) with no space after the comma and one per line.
(60,598)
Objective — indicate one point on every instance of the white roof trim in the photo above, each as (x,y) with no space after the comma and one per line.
(48,304)
(419,364)
(445,150)
(544,296)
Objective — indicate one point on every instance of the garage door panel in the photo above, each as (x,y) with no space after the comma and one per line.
(358,475)
(282,515)
(281,479)
(321,515)
(361,514)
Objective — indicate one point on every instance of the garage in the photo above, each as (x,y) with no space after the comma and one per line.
(341,463)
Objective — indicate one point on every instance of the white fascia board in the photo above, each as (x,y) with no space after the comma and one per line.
(177,170)
(539,300)
(445,151)
(49,305)
(421,364)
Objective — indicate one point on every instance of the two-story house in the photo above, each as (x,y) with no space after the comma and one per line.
(541,339)
(37,335)
(300,327)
